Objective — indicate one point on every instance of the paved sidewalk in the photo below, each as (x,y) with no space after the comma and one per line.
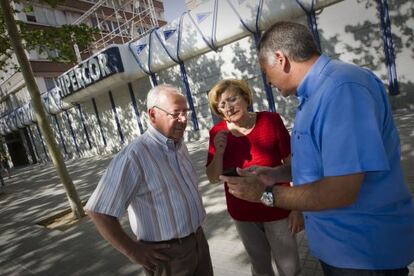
(34,193)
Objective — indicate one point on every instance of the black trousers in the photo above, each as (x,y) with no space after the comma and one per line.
(329,270)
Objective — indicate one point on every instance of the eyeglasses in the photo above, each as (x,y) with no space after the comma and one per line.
(231,101)
(183,114)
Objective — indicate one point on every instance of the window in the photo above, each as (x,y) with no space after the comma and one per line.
(50,16)
(49,83)
(30,18)
(116,27)
(94,22)
(43,53)
(60,17)
(110,25)
(53,53)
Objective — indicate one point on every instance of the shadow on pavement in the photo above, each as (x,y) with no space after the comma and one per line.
(35,192)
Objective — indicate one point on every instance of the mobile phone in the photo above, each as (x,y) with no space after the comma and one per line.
(230,172)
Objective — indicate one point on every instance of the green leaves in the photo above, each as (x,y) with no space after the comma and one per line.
(60,39)
(46,39)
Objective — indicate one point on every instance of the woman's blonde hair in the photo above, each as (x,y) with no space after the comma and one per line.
(239,86)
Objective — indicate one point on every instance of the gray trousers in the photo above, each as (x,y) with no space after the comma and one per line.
(264,239)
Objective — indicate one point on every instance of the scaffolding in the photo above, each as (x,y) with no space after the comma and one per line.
(118,21)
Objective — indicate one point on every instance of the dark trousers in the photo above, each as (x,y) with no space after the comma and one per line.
(188,257)
(329,270)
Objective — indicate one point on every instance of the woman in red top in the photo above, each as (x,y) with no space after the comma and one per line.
(243,139)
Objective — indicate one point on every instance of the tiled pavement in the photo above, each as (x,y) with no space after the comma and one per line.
(34,193)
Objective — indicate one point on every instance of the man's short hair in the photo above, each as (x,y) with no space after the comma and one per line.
(292,39)
(154,93)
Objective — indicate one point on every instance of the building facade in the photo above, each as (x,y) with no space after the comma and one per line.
(111,111)
(117,22)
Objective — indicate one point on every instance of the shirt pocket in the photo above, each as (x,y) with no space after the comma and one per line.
(306,160)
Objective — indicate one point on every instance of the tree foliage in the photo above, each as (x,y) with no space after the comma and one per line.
(44,39)
(37,106)
(61,39)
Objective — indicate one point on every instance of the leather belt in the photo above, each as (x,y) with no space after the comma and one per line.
(182,239)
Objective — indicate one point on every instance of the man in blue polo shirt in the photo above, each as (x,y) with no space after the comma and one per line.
(346,171)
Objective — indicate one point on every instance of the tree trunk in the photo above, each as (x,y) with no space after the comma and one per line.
(42,119)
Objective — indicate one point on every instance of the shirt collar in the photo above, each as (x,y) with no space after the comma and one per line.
(165,142)
(306,87)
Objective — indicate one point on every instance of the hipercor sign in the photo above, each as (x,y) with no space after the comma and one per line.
(90,71)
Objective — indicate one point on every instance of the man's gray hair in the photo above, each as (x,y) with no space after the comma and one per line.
(292,39)
(154,93)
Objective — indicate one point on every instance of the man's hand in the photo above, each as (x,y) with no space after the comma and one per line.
(267,175)
(139,252)
(248,186)
(148,255)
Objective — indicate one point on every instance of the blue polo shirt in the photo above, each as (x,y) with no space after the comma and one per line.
(344,125)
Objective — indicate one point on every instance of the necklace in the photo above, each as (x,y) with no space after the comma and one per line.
(239,130)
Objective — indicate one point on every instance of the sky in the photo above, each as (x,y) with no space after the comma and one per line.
(173,9)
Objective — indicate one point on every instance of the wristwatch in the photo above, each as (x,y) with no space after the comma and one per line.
(268,198)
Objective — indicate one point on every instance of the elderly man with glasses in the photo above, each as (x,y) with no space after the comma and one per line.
(153,178)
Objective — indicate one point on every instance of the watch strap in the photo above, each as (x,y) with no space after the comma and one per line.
(269,189)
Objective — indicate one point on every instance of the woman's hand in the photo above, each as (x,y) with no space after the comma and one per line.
(220,141)
(296,222)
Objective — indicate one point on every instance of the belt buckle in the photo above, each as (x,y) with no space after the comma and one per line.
(181,240)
